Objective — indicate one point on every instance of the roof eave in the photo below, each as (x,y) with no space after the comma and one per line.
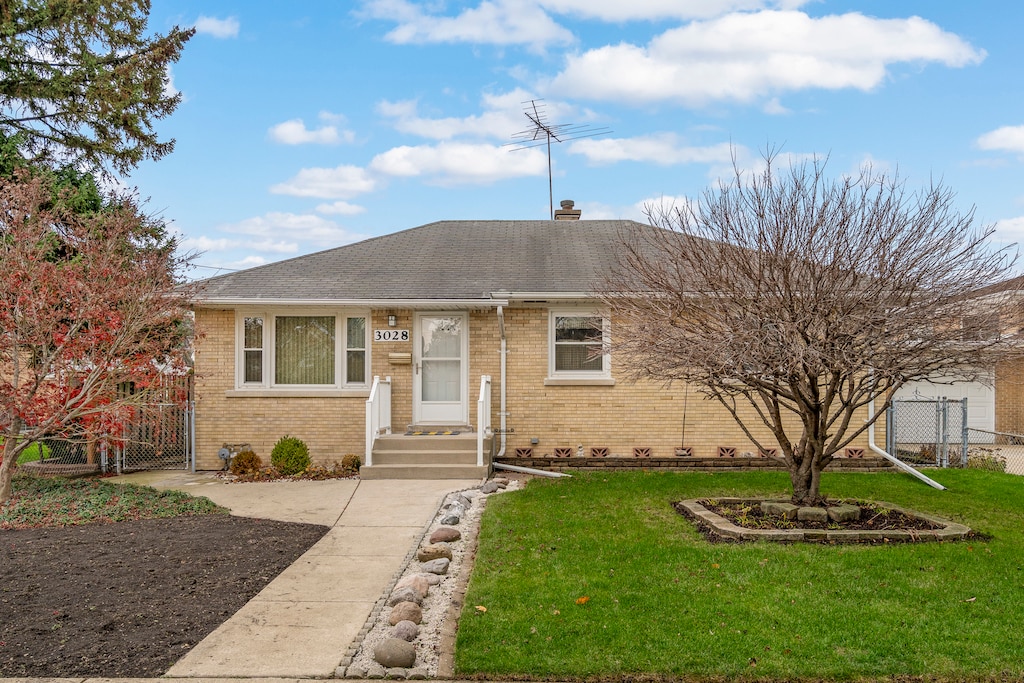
(544,296)
(437,304)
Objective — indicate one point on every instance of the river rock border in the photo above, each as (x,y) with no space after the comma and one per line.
(433,644)
(723,528)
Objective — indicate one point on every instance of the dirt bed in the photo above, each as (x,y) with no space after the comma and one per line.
(130,599)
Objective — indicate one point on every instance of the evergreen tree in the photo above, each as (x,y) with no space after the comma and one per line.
(81,81)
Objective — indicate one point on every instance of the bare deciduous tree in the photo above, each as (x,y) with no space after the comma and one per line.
(800,299)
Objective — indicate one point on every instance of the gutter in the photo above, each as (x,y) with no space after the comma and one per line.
(894,460)
(422,304)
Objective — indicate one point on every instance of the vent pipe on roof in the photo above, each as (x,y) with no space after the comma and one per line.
(566,213)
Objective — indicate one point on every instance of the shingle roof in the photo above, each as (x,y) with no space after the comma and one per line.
(444,260)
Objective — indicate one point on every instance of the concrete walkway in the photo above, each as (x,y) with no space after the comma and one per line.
(300,624)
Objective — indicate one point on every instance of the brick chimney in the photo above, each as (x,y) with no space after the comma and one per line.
(566,213)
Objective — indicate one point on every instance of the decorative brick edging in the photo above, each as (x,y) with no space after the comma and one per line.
(722,527)
(688,463)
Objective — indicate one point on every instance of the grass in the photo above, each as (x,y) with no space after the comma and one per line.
(31,453)
(59,502)
(597,577)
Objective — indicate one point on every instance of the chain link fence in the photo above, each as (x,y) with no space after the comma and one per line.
(999,451)
(158,436)
(928,432)
(935,433)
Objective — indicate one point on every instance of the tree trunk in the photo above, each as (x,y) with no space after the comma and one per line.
(10,457)
(805,477)
(7,468)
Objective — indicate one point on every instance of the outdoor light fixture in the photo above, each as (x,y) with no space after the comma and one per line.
(392,321)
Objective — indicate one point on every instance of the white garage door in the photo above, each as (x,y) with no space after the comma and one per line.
(981,400)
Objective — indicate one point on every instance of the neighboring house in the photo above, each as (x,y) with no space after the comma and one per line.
(995,398)
(293,348)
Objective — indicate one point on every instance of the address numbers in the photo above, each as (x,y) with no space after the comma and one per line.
(390,335)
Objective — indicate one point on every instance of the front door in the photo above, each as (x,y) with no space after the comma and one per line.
(440,381)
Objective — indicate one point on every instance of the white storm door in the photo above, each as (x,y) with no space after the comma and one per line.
(440,380)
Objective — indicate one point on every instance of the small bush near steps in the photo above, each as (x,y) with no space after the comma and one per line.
(246,462)
(351,463)
(290,455)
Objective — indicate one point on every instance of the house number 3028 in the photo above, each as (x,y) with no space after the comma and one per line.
(390,335)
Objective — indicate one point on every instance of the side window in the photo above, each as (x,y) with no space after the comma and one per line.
(355,354)
(252,350)
(577,344)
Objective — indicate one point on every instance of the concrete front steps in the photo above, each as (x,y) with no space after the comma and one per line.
(434,456)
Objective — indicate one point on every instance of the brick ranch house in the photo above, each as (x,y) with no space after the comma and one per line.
(475,327)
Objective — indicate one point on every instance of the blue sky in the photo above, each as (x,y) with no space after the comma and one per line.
(310,124)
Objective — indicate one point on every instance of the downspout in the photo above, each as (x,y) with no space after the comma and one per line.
(895,461)
(530,470)
(504,352)
(502,414)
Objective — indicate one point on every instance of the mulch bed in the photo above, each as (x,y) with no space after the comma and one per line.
(130,599)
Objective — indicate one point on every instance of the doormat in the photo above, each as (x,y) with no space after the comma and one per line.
(446,432)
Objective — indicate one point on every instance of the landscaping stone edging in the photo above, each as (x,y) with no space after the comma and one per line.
(720,526)
(350,668)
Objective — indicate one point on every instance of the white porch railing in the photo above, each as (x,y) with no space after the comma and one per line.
(483,418)
(378,414)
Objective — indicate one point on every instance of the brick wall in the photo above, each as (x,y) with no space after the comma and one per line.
(331,427)
(1010,397)
(618,418)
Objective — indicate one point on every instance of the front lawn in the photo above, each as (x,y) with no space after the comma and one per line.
(597,577)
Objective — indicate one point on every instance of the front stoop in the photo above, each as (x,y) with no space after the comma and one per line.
(396,456)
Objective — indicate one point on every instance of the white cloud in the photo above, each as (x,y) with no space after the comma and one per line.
(660,207)
(342,182)
(664,149)
(169,89)
(492,22)
(1007,138)
(502,116)
(743,57)
(773,107)
(205,244)
(1009,231)
(218,28)
(340,209)
(455,163)
(284,230)
(294,132)
(250,261)
(649,10)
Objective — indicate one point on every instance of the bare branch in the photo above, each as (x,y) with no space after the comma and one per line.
(810,297)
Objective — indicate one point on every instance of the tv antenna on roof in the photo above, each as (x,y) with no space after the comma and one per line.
(542,132)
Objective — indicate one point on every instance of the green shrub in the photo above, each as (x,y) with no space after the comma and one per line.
(351,463)
(246,462)
(290,456)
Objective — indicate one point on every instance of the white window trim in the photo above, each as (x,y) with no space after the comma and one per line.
(267,387)
(602,377)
